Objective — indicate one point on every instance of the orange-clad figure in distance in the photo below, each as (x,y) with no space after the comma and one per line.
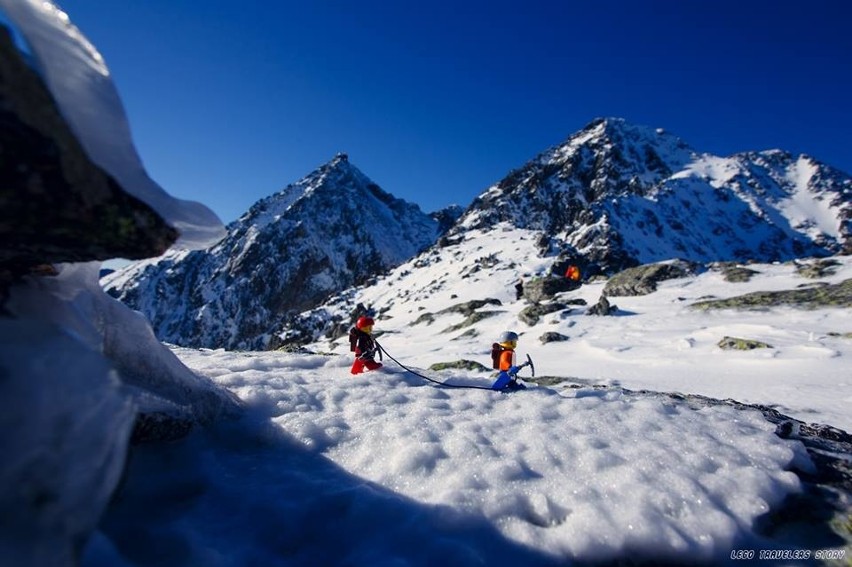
(573,273)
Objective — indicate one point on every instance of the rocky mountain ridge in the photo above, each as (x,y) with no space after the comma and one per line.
(614,195)
(331,230)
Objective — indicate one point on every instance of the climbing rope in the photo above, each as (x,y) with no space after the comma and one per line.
(443,384)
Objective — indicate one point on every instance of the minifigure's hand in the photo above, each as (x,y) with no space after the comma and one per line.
(514,370)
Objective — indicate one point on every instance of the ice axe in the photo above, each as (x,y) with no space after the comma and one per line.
(529,363)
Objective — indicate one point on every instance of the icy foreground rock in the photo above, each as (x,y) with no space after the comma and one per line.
(78,370)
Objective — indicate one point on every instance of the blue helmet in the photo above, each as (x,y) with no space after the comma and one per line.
(508,336)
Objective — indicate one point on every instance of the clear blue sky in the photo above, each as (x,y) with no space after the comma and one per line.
(435,100)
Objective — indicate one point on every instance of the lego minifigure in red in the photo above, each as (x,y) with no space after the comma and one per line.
(363,345)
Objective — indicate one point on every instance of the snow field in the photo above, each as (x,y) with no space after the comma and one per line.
(582,473)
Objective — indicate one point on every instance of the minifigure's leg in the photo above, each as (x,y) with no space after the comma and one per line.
(357,366)
(502,380)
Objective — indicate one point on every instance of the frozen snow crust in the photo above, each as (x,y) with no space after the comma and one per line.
(569,473)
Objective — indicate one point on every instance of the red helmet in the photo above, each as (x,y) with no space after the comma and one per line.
(364,321)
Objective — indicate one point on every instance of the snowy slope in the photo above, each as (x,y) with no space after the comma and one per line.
(331,230)
(658,341)
(385,469)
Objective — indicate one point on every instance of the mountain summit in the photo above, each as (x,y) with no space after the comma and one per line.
(331,230)
(615,195)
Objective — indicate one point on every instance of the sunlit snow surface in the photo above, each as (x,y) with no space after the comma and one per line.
(569,473)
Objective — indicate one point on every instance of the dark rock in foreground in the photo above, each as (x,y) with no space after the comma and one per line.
(58,206)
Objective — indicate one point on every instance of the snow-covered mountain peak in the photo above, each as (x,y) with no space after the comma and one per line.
(338,173)
(330,230)
(630,150)
(607,158)
(330,176)
(619,132)
(616,194)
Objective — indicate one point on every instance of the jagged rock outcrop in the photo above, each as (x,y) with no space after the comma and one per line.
(602,308)
(531,314)
(543,289)
(447,217)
